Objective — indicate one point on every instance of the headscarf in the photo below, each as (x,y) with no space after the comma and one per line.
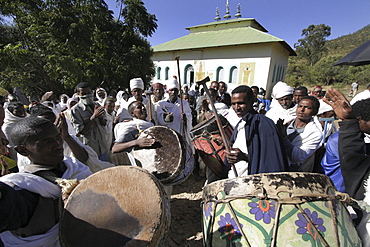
(281,89)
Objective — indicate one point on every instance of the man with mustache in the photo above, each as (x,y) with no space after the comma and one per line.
(282,105)
(256,145)
(89,121)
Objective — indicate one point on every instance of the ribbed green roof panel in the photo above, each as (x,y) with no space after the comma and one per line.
(226,37)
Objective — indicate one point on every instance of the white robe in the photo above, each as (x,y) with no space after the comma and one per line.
(41,186)
(277,111)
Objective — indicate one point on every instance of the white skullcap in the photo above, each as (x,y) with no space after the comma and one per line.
(185,85)
(324,107)
(136,83)
(281,89)
(172,83)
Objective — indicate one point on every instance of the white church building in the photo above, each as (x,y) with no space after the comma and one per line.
(237,51)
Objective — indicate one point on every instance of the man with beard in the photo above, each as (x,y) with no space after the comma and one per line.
(169,111)
(158,95)
(256,144)
(89,121)
(282,106)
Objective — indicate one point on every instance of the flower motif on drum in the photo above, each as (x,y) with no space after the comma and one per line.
(207,210)
(306,228)
(262,209)
(229,229)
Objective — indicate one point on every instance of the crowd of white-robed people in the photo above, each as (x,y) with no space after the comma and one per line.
(296,131)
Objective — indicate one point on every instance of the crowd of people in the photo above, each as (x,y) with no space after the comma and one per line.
(73,137)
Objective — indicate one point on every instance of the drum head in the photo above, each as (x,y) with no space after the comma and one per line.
(119,206)
(166,158)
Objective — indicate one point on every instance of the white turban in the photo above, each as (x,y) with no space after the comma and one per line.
(172,83)
(324,107)
(136,83)
(281,89)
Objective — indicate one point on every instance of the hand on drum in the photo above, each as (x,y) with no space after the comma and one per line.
(145,142)
(235,155)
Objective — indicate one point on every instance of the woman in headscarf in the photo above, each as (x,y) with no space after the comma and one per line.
(62,105)
(101,95)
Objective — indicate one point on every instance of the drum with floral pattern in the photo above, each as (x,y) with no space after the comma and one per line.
(276,209)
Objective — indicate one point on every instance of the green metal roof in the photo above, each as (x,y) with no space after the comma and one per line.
(222,33)
(239,22)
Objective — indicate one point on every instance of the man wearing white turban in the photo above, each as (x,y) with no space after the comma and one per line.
(169,111)
(282,106)
(137,88)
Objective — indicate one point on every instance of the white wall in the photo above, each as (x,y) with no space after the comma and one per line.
(259,58)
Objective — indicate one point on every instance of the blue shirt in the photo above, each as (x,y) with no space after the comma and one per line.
(331,162)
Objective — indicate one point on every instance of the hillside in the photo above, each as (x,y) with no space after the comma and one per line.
(344,44)
(299,71)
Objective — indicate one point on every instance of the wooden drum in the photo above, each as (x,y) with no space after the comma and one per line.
(276,209)
(119,206)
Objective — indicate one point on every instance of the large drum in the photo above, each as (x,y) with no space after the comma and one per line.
(119,206)
(276,209)
(170,159)
(207,140)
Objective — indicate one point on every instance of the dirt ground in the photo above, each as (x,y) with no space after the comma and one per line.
(186,213)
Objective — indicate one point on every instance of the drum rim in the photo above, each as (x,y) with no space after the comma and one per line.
(164,219)
(181,164)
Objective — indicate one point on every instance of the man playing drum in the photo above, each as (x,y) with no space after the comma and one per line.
(128,131)
(29,200)
(256,144)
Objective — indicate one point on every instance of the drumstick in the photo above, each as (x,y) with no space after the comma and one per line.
(219,124)
(149,94)
(179,80)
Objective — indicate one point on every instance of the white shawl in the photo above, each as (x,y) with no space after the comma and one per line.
(41,186)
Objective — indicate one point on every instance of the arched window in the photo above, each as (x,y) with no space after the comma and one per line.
(166,72)
(220,74)
(233,77)
(189,74)
(159,73)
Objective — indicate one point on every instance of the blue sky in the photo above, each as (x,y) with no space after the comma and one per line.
(284,19)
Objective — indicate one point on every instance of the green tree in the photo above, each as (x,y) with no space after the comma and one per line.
(312,46)
(63,42)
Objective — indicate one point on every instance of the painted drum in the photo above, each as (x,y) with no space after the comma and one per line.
(207,140)
(119,206)
(276,209)
(170,159)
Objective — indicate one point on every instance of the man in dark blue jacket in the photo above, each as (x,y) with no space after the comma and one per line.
(256,144)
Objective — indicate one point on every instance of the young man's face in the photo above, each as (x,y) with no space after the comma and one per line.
(305,110)
(214,85)
(137,93)
(241,104)
(222,88)
(46,147)
(298,95)
(139,111)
